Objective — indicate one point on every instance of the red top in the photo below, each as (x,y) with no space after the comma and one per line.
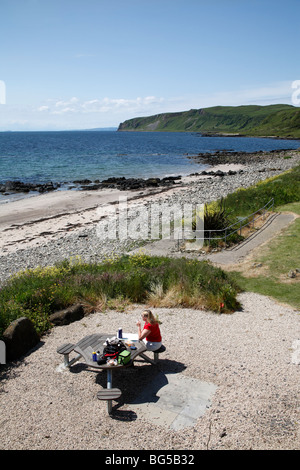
(155,335)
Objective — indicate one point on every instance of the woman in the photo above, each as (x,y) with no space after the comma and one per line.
(151,332)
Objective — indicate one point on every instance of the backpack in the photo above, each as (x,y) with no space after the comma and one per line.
(112,350)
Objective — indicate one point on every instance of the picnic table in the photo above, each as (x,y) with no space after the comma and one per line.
(96,342)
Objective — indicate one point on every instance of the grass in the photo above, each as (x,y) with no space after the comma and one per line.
(284,188)
(37,293)
(284,293)
(282,254)
(280,120)
(277,259)
(228,211)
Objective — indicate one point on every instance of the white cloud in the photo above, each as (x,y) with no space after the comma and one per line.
(105,105)
(76,113)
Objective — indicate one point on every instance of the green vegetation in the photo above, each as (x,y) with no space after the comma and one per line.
(280,256)
(284,188)
(217,218)
(280,120)
(162,281)
(276,261)
(228,211)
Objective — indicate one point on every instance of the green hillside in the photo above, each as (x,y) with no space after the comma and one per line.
(279,120)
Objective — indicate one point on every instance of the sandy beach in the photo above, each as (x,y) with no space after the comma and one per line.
(38,219)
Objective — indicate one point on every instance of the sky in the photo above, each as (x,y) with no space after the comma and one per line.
(83,64)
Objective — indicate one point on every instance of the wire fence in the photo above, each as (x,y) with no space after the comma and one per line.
(236,227)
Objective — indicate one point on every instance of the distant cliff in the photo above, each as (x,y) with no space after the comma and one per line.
(279,120)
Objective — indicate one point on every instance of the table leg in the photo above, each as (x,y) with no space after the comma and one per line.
(109,385)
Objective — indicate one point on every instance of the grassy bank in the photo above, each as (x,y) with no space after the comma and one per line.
(158,281)
(279,120)
(228,211)
(284,188)
(274,270)
(282,254)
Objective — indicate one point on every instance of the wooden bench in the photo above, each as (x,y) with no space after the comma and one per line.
(84,349)
(109,394)
(156,355)
(66,349)
(158,351)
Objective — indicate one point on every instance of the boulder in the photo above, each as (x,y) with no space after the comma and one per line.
(19,338)
(123,183)
(68,315)
(20,187)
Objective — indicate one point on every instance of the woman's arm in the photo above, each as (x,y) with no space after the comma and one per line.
(142,334)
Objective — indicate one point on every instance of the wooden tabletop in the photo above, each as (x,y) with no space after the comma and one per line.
(96,342)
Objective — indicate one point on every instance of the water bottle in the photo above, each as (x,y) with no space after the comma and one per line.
(120,333)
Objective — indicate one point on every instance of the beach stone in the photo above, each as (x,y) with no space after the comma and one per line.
(19,338)
(68,315)
(84,181)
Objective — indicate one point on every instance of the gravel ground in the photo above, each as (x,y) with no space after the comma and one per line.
(248,355)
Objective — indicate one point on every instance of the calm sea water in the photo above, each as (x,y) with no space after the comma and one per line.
(62,157)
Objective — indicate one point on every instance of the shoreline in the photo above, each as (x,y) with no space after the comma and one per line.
(19,190)
(54,226)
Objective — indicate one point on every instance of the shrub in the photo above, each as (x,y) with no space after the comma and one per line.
(216,219)
(164,281)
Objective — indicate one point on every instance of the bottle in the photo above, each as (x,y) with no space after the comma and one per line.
(94,356)
(120,333)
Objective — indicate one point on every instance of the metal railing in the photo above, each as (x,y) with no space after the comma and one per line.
(243,222)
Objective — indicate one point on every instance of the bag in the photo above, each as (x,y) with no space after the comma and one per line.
(124,357)
(113,349)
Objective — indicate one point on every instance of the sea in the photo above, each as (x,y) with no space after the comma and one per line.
(65,156)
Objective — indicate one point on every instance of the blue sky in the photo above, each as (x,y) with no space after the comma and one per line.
(80,64)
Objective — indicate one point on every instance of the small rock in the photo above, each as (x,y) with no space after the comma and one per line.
(68,315)
(256,265)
